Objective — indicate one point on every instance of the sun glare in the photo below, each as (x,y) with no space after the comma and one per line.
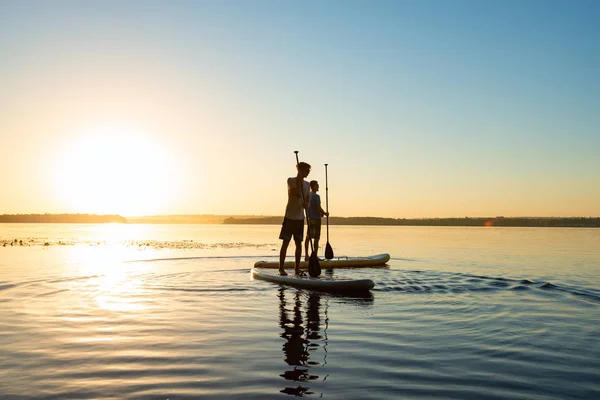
(115,171)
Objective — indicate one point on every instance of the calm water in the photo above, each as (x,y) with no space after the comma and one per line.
(170,312)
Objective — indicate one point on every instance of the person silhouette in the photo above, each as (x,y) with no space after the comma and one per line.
(293,221)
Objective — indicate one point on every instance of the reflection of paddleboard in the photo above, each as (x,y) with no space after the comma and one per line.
(324,283)
(339,262)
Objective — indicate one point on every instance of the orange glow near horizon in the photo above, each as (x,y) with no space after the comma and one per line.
(114,171)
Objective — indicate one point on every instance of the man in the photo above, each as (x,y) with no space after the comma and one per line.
(293,222)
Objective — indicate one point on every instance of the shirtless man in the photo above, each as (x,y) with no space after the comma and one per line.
(293,222)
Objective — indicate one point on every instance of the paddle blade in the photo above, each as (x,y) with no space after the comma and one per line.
(314,268)
(328,252)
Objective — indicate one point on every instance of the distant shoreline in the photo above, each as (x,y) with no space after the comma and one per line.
(61,218)
(541,222)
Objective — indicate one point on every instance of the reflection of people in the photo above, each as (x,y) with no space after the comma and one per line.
(293,222)
(306,335)
(315,213)
(301,335)
(293,348)
(313,319)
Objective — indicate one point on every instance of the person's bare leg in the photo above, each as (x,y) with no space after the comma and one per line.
(282,254)
(316,247)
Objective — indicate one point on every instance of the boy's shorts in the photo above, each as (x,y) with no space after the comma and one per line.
(315,228)
(292,228)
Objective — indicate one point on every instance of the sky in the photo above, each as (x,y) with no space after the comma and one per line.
(420,108)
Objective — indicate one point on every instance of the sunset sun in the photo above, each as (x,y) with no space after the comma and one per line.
(115,171)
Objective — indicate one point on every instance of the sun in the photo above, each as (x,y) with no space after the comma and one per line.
(113,170)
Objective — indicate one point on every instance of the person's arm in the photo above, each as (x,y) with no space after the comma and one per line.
(306,197)
(293,188)
(323,212)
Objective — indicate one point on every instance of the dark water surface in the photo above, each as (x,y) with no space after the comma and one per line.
(171,312)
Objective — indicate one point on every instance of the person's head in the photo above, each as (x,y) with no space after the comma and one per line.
(303,169)
(314,186)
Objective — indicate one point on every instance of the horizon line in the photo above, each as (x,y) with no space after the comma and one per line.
(277,215)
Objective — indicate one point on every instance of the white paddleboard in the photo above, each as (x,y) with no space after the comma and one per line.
(323,282)
(339,262)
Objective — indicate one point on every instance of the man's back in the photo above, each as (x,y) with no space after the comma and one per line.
(294,208)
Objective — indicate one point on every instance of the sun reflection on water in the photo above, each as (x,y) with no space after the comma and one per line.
(117,285)
(120,295)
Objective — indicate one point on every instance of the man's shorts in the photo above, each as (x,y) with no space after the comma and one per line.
(292,227)
(315,228)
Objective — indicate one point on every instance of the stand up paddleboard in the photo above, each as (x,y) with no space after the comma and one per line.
(323,283)
(378,260)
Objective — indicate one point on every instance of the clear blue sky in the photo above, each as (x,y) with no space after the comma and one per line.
(420,108)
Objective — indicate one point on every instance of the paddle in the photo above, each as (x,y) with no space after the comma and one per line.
(314,268)
(328,249)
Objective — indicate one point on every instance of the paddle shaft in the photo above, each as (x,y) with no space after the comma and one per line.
(327,202)
(328,248)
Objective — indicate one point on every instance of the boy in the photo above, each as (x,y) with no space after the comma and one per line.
(315,213)
(293,222)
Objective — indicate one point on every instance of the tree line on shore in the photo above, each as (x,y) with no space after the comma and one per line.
(582,222)
(62,218)
(587,222)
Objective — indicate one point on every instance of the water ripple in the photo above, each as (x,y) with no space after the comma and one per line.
(434,282)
